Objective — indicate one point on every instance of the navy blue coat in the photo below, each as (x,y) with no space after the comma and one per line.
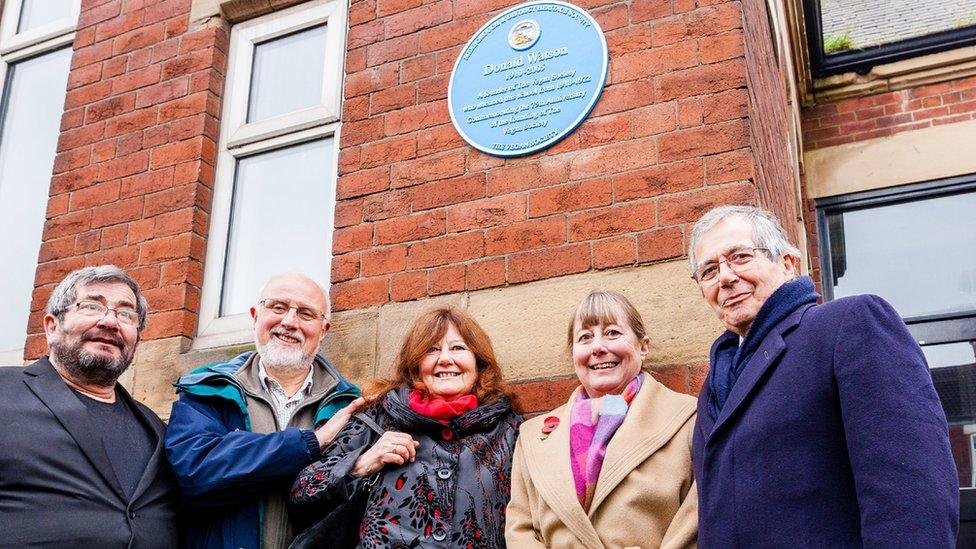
(833,436)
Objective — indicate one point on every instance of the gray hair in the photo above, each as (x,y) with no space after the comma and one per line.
(767,232)
(66,293)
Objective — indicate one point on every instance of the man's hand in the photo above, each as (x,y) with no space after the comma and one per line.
(392,447)
(328,431)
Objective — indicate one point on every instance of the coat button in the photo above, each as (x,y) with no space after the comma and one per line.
(444,473)
(132,514)
(440,534)
(447,433)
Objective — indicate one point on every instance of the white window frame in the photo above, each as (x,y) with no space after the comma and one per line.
(239,139)
(15,47)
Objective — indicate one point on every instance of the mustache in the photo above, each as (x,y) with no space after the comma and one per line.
(297,334)
(98,334)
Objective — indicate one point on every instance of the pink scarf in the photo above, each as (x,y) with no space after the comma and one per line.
(592,423)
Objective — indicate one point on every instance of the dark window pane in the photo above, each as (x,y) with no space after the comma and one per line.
(953,367)
(917,255)
(855,24)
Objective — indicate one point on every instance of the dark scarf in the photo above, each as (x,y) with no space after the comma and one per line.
(729,358)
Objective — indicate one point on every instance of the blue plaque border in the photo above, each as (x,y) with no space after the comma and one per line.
(570,127)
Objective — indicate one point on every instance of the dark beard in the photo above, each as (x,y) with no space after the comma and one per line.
(94,369)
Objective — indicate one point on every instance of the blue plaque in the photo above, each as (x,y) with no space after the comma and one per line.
(528,78)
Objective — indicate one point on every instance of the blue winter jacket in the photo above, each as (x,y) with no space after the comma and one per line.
(223,469)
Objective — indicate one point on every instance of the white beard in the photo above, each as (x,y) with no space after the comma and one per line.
(277,356)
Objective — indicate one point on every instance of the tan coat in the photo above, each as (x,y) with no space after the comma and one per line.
(645,496)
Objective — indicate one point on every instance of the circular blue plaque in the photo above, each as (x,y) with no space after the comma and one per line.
(528,78)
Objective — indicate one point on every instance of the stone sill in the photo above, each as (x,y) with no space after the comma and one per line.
(909,73)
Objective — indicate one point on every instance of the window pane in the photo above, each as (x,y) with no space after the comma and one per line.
(33,101)
(917,255)
(856,24)
(953,367)
(36,13)
(280,220)
(287,74)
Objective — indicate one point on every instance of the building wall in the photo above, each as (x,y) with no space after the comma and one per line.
(421,217)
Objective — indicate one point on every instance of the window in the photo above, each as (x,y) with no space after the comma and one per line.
(35,53)
(914,246)
(274,192)
(846,36)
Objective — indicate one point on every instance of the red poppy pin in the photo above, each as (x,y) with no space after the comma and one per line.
(549,425)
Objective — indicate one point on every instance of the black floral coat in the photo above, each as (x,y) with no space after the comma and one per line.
(453,495)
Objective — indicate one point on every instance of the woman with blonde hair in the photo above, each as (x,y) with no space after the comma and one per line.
(439,474)
(611,467)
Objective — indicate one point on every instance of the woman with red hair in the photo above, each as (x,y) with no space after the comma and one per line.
(440,470)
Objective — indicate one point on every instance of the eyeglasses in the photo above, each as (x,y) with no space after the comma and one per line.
(94,309)
(281,308)
(738,260)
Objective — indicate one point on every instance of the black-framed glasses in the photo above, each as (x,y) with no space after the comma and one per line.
(94,309)
(737,260)
(281,308)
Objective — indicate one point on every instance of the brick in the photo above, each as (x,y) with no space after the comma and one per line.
(654,119)
(123,257)
(408,286)
(162,92)
(646,10)
(97,14)
(170,324)
(433,89)
(118,212)
(353,238)
(445,250)
(612,221)
(74,179)
(345,267)
(658,180)
(465,8)
(660,244)
(727,45)
(146,182)
(186,64)
(84,76)
(429,168)
(603,130)
(138,38)
(415,118)
(135,79)
(624,97)
(566,198)
(725,106)
(447,191)
(548,263)
(55,271)
(388,260)
(711,139)
(72,118)
(140,230)
(486,213)
(108,108)
(522,176)
(361,12)
(614,252)
(371,80)
(690,112)
(364,35)
(184,106)
(184,270)
(391,49)
(174,222)
(96,195)
(166,249)
(435,140)
(687,208)
(123,166)
(360,293)
(659,60)
(446,280)
(164,50)
(132,121)
(700,23)
(454,33)
(174,153)
(618,157)
(412,21)
(170,200)
(128,144)
(66,225)
(414,227)
(88,242)
(112,237)
(56,205)
(612,17)
(56,249)
(628,40)
(356,108)
(416,68)
(88,55)
(541,233)
(167,298)
(388,151)
(541,396)
(485,274)
(730,166)
(714,78)
(348,212)
(363,182)
(393,98)
(381,206)
(71,160)
(363,131)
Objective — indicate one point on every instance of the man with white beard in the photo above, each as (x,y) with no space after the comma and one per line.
(242,429)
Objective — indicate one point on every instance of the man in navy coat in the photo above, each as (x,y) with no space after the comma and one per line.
(818,425)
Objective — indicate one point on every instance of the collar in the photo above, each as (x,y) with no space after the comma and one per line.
(271,383)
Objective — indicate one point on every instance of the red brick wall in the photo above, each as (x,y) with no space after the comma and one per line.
(134,166)
(420,213)
(883,114)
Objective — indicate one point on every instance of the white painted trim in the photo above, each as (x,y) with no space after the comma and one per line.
(238,140)
(12,357)
(930,153)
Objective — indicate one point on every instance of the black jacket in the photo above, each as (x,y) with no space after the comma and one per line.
(57,485)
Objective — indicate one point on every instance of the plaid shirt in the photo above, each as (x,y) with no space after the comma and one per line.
(284,406)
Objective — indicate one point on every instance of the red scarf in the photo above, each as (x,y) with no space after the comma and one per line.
(439,409)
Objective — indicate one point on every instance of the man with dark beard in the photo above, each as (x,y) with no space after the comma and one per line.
(243,429)
(81,462)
